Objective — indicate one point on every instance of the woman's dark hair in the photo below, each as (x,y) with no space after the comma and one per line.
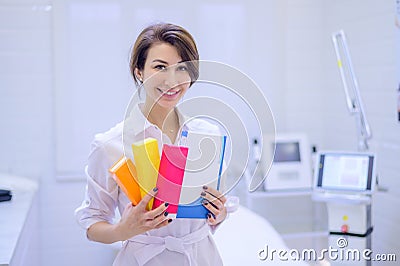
(168,33)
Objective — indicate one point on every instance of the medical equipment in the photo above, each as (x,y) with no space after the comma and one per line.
(350,85)
(345,181)
(345,172)
(291,167)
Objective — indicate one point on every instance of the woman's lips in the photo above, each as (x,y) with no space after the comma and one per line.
(169,93)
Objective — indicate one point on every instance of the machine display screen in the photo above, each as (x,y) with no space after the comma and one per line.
(287,152)
(352,172)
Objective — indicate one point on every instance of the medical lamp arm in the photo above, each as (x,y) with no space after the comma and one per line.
(354,104)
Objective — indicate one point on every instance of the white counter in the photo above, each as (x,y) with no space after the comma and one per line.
(17,219)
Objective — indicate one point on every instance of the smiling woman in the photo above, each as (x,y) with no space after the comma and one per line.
(171,34)
(172,79)
(171,52)
(164,63)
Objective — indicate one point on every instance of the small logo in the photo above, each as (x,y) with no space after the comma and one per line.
(342,242)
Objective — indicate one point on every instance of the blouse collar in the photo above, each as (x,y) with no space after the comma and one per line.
(138,123)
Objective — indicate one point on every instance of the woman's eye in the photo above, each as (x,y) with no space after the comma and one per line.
(160,67)
(182,68)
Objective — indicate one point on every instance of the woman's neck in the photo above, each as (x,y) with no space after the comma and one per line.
(162,117)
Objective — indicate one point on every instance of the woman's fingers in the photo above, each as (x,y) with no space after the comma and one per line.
(154,218)
(129,206)
(213,192)
(137,219)
(146,199)
(151,215)
(158,221)
(211,219)
(212,208)
(214,201)
(211,199)
(164,223)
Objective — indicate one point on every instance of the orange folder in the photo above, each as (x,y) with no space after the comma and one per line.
(124,173)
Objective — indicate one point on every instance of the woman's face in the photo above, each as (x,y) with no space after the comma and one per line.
(165,77)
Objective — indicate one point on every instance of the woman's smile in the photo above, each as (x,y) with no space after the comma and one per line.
(169,94)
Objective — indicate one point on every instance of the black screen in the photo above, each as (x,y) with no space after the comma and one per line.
(287,152)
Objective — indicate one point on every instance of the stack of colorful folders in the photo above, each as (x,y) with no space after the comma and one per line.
(179,175)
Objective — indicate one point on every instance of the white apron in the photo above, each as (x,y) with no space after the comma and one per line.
(146,250)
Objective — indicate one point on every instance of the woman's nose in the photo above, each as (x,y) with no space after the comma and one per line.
(170,79)
(174,77)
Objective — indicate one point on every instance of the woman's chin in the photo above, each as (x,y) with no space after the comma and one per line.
(167,104)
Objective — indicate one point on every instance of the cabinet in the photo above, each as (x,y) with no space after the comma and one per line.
(19,219)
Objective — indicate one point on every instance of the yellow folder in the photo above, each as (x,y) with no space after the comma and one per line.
(147,161)
(124,173)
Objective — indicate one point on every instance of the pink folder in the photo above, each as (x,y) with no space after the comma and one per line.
(170,177)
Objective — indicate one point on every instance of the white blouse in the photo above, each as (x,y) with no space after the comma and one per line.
(183,241)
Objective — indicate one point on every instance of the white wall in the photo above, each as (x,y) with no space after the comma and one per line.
(27,113)
(27,135)
(25,82)
(303,68)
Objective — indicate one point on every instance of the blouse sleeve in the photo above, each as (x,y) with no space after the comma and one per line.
(101,192)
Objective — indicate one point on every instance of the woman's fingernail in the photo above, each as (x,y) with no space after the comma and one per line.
(208,215)
(166,204)
(205,187)
(169,220)
(165,213)
(203,194)
(155,189)
(205,202)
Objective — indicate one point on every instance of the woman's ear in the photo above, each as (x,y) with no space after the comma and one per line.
(138,74)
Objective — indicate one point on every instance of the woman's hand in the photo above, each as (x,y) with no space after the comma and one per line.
(136,220)
(214,201)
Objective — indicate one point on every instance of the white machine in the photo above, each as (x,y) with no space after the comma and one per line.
(345,181)
(291,167)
